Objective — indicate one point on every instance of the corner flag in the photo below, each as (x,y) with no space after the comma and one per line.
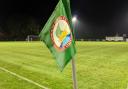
(57,34)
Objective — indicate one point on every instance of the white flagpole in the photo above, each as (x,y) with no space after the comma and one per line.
(74,74)
(74,20)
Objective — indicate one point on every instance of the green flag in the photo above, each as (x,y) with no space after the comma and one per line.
(57,34)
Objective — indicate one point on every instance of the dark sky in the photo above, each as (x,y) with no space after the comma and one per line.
(97,18)
(100,18)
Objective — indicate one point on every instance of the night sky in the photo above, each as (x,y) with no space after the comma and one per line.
(96,18)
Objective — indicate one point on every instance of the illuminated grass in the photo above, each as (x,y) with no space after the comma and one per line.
(100,65)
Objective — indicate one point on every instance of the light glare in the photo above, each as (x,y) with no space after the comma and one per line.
(74,19)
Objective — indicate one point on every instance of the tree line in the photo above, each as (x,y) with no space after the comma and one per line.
(17,28)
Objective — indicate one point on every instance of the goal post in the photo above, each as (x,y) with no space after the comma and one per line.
(32,38)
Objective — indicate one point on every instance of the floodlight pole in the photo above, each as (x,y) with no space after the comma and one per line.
(74,74)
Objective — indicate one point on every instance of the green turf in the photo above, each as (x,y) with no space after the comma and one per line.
(100,65)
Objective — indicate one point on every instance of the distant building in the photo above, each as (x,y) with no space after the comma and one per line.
(115,38)
(126,39)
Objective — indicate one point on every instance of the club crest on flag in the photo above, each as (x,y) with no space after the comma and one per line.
(61,34)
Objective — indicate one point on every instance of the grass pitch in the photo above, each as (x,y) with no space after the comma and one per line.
(100,65)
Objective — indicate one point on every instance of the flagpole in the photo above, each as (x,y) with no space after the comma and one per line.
(75,86)
(74,74)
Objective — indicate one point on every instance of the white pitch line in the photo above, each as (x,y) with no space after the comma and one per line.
(23,78)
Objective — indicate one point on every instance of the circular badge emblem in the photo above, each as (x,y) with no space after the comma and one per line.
(61,33)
